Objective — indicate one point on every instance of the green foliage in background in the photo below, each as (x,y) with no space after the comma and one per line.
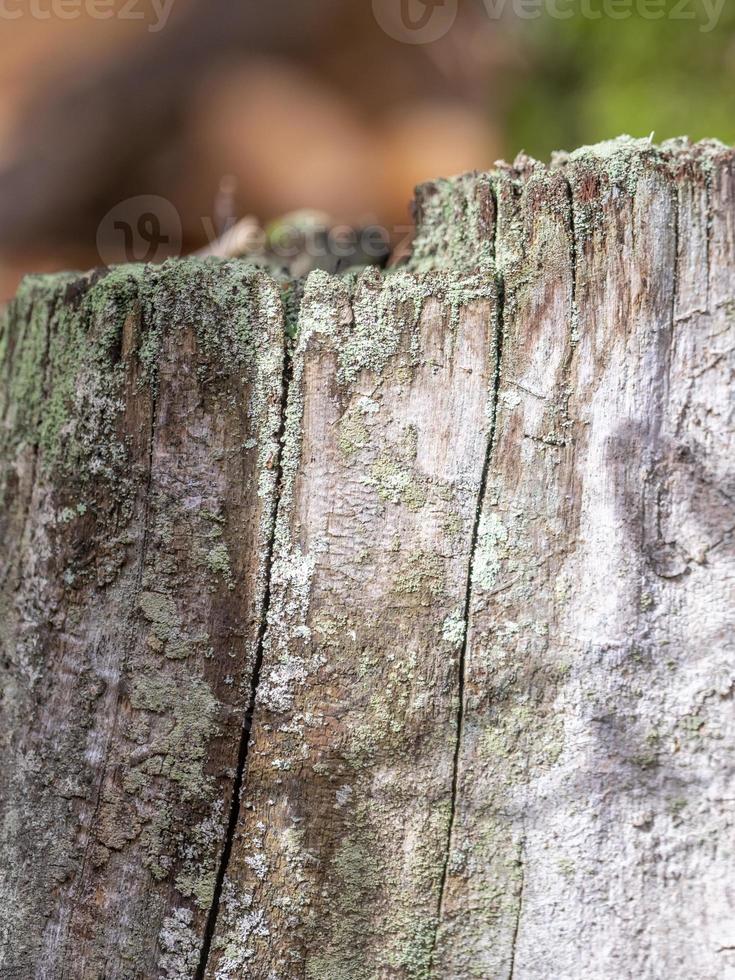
(586,80)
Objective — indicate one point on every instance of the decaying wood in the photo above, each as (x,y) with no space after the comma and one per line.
(385,444)
(140,434)
(463,707)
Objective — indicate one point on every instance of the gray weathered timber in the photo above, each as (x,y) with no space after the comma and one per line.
(139,441)
(338,858)
(463,708)
(592,833)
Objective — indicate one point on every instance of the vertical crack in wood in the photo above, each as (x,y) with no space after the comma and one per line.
(459,728)
(254,682)
(519,909)
(567,367)
(708,241)
(521,861)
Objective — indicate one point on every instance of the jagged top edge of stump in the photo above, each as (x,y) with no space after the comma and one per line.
(614,157)
(454,215)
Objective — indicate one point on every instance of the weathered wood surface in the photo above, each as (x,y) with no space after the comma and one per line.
(138,494)
(489,638)
(592,833)
(385,443)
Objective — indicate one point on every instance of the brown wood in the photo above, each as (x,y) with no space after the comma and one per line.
(140,447)
(488,640)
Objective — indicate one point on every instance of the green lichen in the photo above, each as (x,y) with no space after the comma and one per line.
(462,222)
(455,224)
(155,841)
(197,877)
(421,575)
(25,340)
(353,434)
(66,375)
(370,317)
(180,945)
(160,610)
(454,524)
(397,483)
(492,548)
(454,627)
(178,755)
(358,878)
(217,560)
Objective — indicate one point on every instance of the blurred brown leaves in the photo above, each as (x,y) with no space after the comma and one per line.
(302,104)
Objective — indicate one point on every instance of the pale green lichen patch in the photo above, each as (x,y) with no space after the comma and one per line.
(455,226)
(519,737)
(68,514)
(180,946)
(24,358)
(453,524)
(160,611)
(246,927)
(83,391)
(358,878)
(198,873)
(67,372)
(357,912)
(153,693)
(492,548)
(454,627)
(288,630)
(398,483)
(217,560)
(374,316)
(233,303)
(178,750)
(353,433)
(158,850)
(622,160)
(421,575)
(458,226)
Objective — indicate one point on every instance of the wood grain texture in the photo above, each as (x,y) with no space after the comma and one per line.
(338,857)
(593,830)
(137,505)
(472,718)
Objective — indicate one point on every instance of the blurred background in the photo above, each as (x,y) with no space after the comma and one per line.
(141,128)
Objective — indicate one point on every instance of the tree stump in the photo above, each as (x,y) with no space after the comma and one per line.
(381,626)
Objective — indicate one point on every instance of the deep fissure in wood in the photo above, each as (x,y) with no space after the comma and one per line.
(254,683)
(499,331)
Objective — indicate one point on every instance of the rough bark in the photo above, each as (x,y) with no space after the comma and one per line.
(474,718)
